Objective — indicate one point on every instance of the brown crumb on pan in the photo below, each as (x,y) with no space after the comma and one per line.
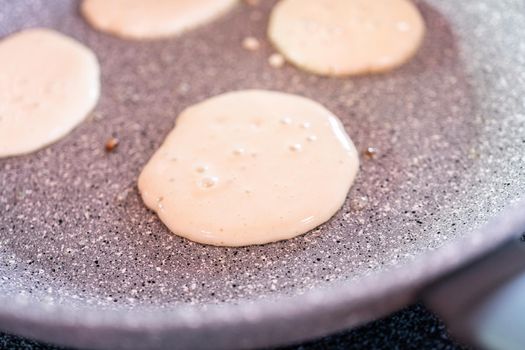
(250,43)
(111,144)
(276,60)
(370,153)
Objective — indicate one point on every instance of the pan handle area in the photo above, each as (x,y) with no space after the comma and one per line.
(484,302)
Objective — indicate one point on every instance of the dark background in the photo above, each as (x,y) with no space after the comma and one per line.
(412,328)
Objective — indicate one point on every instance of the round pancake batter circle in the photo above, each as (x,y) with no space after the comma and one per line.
(150,19)
(250,167)
(48,84)
(346,37)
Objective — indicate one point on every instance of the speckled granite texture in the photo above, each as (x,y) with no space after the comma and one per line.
(412,328)
(71,212)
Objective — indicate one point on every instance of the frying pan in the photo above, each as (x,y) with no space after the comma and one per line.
(84,263)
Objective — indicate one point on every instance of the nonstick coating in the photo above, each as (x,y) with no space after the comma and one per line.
(82,261)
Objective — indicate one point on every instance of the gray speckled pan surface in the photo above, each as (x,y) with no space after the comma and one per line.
(83,262)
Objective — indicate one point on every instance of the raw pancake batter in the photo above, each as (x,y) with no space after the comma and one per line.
(150,19)
(48,85)
(250,167)
(346,37)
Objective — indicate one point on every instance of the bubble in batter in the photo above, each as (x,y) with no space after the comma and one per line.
(346,37)
(48,85)
(150,19)
(248,171)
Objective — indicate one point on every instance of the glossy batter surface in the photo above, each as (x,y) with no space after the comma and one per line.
(150,19)
(346,37)
(48,85)
(250,167)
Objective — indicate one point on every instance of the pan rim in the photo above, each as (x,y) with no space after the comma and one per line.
(346,304)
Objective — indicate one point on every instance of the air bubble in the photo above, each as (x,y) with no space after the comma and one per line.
(296,147)
(208,181)
(159,202)
(239,151)
(305,125)
(201,168)
(286,120)
(312,138)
